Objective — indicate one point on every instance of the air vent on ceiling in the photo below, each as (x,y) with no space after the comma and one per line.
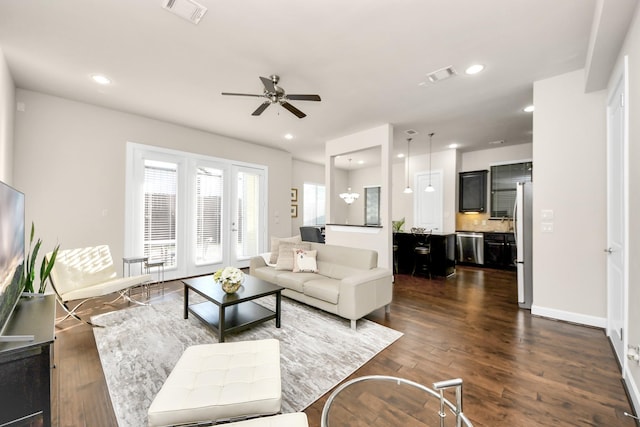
(411,132)
(441,74)
(187,9)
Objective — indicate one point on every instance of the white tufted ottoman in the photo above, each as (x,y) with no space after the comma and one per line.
(219,382)
(296,419)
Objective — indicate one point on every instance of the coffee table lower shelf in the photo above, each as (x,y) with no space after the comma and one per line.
(236,317)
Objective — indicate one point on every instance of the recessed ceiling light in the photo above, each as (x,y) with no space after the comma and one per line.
(288,136)
(474,69)
(454,145)
(101,79)
(361,162)
(401,155)
(498,142)
(529,109)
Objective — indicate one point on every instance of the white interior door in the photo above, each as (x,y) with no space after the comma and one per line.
(616,219)
(248,214)
(428,205)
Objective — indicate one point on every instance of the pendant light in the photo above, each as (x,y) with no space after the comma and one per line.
(408,189)
(430,188)
(349,197)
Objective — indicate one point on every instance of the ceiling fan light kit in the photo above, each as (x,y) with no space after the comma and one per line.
(274,94)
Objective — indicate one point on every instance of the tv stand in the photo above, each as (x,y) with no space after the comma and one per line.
(25,366)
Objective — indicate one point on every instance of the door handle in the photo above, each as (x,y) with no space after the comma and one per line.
(609,250)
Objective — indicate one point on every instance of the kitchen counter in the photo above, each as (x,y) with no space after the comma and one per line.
(443,253)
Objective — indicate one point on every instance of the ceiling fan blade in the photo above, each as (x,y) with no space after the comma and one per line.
(293,109)
(261,108)
(268,84)
(242,94)
(303,97)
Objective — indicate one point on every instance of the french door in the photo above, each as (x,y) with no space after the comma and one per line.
(194,213)
(247,214)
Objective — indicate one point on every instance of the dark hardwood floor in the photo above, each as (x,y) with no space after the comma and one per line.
(518,369)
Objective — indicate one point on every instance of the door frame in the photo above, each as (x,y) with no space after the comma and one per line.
(621,86)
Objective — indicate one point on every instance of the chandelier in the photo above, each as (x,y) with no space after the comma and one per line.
(349,197)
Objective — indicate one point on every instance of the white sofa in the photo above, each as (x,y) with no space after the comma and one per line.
(348,283)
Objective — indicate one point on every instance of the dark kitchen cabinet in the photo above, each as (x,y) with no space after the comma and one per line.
(499,250)
(472,191)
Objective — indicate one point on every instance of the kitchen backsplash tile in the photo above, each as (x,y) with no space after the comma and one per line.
(481,222)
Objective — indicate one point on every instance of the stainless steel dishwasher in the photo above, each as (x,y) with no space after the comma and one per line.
(470,247)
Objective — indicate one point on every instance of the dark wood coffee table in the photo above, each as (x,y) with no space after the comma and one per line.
(225,313)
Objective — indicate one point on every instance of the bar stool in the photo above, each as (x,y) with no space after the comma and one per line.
(395,259)
(422,254)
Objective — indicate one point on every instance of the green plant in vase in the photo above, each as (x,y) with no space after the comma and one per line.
(397,225)
(29,272)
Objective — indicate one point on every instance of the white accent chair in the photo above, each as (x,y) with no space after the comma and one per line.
(87,273)
(220,382)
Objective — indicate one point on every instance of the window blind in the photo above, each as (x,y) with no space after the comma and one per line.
(160,197)
(209,187)
(503,186)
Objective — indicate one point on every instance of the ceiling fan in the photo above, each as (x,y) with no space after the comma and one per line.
(276,95)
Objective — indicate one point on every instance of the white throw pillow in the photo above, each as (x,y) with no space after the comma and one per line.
(285,254)
(304,261)
(275,245)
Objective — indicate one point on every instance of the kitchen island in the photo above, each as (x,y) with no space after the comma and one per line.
(443,253)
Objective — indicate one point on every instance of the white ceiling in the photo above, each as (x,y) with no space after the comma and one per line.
(365,58)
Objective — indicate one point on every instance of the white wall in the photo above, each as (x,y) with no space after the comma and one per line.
(7,113)
(446,161)
(381,241)
(632,49)
(483,159)
(569,155)
(70,163)
(358,179)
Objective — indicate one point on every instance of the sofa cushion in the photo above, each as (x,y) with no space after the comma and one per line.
(336,271)
(295,281)
(285,254)
(275,246)
(323,289)
(304,261)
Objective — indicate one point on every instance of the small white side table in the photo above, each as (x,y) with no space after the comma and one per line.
(159,264)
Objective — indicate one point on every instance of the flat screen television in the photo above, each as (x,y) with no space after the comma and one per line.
(12,241)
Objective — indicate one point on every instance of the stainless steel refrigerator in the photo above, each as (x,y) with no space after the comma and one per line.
(523,227)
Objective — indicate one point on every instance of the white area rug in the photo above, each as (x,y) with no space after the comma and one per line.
(139,346)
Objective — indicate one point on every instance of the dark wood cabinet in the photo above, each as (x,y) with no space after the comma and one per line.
(472,191)
(499,250)
(25,366)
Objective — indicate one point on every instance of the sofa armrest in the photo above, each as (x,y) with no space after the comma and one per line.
(256,262)
(367,276)
(362,293)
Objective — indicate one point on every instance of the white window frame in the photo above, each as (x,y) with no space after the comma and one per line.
(185,227)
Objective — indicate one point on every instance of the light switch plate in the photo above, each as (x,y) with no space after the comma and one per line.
(546,227)
(547,214)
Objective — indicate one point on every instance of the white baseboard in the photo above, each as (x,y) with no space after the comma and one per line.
(567,316)
(632,389)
